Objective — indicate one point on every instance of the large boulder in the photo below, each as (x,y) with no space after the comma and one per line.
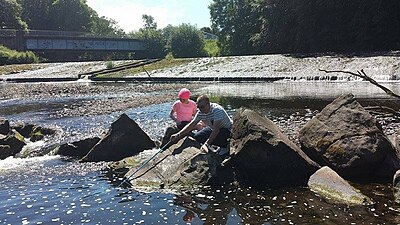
(345,137)
(77,149)
(124,138)
(329,184)
(264,156)
(180,167)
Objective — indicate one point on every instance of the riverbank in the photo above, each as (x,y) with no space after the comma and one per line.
(380,66)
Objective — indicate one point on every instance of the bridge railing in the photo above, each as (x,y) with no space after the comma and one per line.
(52,33)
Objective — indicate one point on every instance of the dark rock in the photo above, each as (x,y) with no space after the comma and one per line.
(264,156)
(33,132)
(125,138)
(39,132)
(77,149)
(24,129)
(328,183)
(168,132)
(12,144)
(345,137)
(5,151)
(4,126)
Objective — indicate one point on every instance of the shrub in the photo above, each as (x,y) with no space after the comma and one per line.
(109,64)
(8,56)
(211,48)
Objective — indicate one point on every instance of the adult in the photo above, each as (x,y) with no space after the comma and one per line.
(217,131)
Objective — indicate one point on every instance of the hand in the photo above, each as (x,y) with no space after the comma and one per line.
(204,148)
(174,137)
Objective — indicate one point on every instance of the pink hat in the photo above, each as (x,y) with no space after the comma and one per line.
(184,93)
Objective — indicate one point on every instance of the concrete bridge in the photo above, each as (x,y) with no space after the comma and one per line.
(42,41)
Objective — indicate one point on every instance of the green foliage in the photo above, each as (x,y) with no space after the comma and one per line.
(103,26)
(185,41)
(8,56)
(109,64)
(10,15)
(36,13)
(70,15)
(235,22)
(211,48)
(286,26)
(155,42)
(169,56)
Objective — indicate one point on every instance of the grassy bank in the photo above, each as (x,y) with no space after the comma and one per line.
(160,65)
(8,56)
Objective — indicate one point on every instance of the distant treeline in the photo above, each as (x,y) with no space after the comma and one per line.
(304,26)
(60,15)
(244,27)
(184,40)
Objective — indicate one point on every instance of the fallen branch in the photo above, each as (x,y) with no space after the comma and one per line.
(366,77)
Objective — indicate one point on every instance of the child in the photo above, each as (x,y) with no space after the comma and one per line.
(184,109)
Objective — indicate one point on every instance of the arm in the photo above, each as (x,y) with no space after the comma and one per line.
(189,127)
(172,116)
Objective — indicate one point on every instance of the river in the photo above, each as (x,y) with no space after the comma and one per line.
(49,189)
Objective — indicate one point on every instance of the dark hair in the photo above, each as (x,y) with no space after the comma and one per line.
(203,98)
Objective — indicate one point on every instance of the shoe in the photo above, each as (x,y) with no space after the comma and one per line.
(213,148)
(222,151)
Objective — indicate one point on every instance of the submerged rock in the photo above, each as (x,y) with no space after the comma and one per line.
(11,144)
(264,156)
(125,138)
(345,137)
(329,184)
(32,131)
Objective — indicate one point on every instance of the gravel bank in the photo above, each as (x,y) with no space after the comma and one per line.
(382,66)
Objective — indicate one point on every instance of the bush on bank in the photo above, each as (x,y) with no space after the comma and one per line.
(8,56)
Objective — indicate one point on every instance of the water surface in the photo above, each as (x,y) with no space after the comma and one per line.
(51,190)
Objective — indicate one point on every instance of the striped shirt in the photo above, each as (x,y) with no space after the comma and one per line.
(217,113)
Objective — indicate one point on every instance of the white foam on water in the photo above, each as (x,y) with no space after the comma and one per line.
(12,163)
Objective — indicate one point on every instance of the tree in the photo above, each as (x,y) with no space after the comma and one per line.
(70,15)
(36,13)
(10,15)
(104,26)
(234,21)
(155,42)
(186,41)
(149,22)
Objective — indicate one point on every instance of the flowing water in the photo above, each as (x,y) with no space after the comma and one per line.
(51,190)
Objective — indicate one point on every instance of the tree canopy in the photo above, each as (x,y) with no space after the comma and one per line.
(288,26)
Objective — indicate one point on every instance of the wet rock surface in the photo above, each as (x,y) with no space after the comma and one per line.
(345,137)
(328,183)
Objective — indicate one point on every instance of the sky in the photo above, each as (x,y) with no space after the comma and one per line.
(128,13)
